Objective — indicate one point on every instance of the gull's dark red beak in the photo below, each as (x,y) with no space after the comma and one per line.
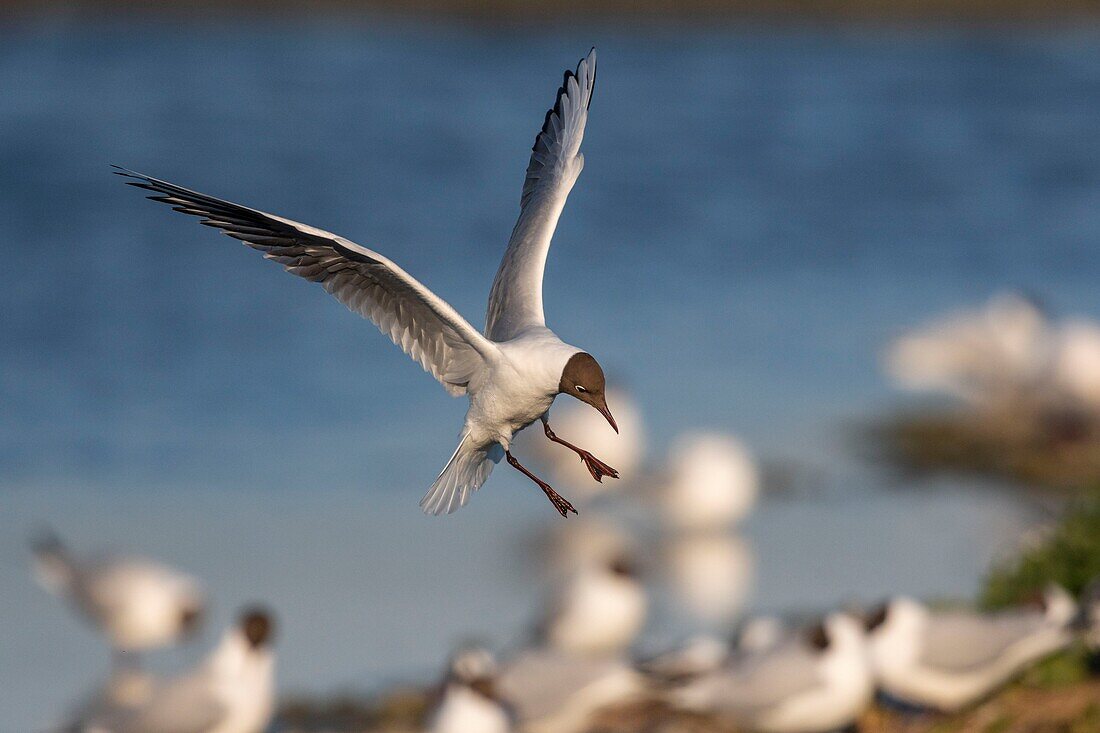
(602,407)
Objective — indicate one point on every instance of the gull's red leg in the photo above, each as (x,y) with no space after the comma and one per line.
(595,466)
(559,502)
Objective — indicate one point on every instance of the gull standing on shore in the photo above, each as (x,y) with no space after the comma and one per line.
(513,371)
(948,659)
(816,681)
(231,691)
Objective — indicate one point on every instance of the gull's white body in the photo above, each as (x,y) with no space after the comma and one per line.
(599,612)
(555,692)
(713,483)
(989,356)
(468,702)
(790,688)
(136,602)
(711,574)
(463,710)
(231,691)
(512,372)
(947,660)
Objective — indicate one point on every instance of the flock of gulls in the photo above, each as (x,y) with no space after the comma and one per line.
(768,673)
(774,676)
(1007,355)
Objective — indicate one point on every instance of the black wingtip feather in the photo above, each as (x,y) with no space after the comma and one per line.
(563,91)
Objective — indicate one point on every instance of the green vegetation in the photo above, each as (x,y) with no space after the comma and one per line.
(1069,555)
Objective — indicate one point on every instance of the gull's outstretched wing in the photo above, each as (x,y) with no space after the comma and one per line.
(424,325)
(515,301)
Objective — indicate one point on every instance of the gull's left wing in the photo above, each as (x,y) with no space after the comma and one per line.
(515,301)
(424,325)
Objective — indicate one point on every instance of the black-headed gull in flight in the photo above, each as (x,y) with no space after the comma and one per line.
(513,371)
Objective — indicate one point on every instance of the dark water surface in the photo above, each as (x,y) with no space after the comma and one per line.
(761,210)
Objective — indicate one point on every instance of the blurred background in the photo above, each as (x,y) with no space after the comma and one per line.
(774,197)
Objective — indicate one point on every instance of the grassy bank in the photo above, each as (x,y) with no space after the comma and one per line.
(1059,453)
(1033,705)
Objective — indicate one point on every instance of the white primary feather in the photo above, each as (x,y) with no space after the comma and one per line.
(515,301)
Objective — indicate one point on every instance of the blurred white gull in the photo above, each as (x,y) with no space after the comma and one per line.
(990,356)
(623,449)
(1076,369)
(470,702)
(711,574)
(760,633)
(711,483)
(599,611)
(589,540)
(556,692)
(513,372)
(231,691)
(136,602)
(698,655)
(948,659)
(813,682)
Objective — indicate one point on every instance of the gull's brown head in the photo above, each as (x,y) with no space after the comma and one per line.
(583,378)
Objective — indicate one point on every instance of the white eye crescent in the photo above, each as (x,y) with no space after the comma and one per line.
(579,388)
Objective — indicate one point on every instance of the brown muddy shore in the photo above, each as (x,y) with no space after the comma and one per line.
(1025,707)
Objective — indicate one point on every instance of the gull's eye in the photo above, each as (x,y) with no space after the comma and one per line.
(579,388)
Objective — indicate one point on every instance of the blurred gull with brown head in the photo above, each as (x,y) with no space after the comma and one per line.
(600,611)
(137,603)
(812,682)
(512,372)
(469,701)
(556,692)
(948,659)
(231,691)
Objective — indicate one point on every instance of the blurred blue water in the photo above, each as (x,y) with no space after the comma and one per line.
(760,211)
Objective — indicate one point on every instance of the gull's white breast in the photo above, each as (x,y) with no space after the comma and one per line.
(519,387)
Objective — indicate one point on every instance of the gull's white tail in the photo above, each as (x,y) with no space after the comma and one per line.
(464,474)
